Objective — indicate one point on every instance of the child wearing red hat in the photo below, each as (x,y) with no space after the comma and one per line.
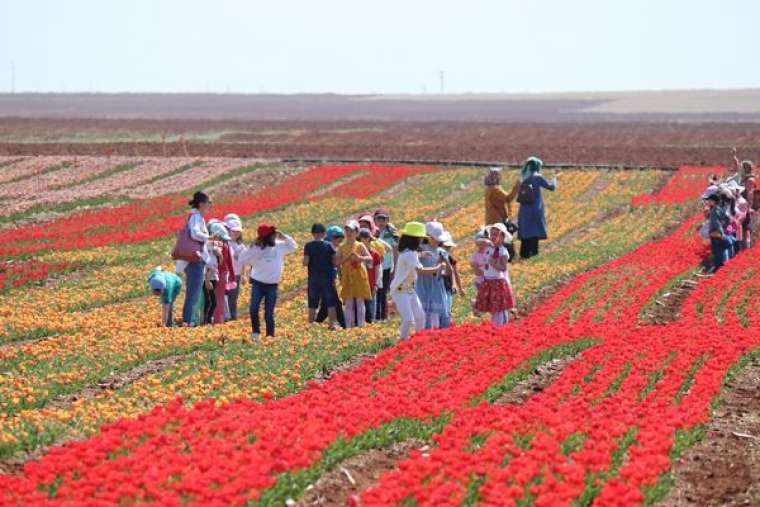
(266,255)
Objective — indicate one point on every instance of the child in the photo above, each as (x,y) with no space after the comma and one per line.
(479,261)
(368,222)
(219,274)
(354,280)
(451,280)
(374,271)
(267,256)
(495,295)
(388,234)
(431,289)
(167,286)
(319,258)
(403,286)
(237,246)
(335,237)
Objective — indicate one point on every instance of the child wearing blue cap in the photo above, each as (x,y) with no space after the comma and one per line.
(167,286)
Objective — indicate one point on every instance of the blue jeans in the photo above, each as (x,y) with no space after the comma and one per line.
(446,319)
(268,293)
(194,273)
(720,251)
(731,242)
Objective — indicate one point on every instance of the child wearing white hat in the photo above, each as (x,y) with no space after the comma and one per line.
(237,246)
(495,294)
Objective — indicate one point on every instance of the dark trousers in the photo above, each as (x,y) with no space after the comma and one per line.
(720,252)
(232,299)
(266,292)
(528,247)
(322,313)
(170,318)
(381,304)
(209,302)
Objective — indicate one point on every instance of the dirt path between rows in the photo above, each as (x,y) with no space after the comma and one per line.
(724,467)
(347,481)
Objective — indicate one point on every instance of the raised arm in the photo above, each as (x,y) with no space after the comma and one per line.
(287,244)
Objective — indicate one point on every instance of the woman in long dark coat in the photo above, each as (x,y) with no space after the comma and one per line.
(531,217)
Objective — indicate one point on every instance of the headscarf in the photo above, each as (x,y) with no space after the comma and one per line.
(493,177)
(531,166)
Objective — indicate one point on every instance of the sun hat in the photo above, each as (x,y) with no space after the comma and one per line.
(501,227)
(218,229)
(318,228)
(233,222)
(434,230)
(353,225)
(157,281)
(448,240)
(414,230)
(265,230)
(733,185)
(334,231)
(712,189)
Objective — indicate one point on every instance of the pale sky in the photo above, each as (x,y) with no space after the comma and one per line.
(388,46)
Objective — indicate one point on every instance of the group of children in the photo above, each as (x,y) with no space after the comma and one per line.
(730,208)
(353,271)
(370,259)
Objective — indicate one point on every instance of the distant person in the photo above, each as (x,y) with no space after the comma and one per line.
(451,280)
(335,237)
(531,217)
(432,289)
(498,203)
(374,271)
(266,255)
(388,233)
(319,259)
(354,279)
(404,284)
(194,265)
(167,287)
(495,294)
(237,246)
(367,221)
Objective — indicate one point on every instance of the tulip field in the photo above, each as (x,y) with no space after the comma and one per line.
(99,405)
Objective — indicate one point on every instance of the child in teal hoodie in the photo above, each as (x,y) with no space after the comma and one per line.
(167,286)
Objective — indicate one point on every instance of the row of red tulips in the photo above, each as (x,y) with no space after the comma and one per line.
(685,185)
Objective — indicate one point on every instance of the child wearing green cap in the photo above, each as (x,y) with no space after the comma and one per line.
(167,287)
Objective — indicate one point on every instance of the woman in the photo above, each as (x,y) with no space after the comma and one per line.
(531,219)
(266,255)
(403,285)
(498,203)
(200,205)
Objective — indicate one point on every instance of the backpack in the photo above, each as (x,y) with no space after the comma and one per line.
(527,193)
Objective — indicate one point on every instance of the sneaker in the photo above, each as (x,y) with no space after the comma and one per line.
(255,336)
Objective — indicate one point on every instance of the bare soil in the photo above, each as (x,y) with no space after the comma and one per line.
(724,468)
(616,143)
(542,377)
(357,474)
